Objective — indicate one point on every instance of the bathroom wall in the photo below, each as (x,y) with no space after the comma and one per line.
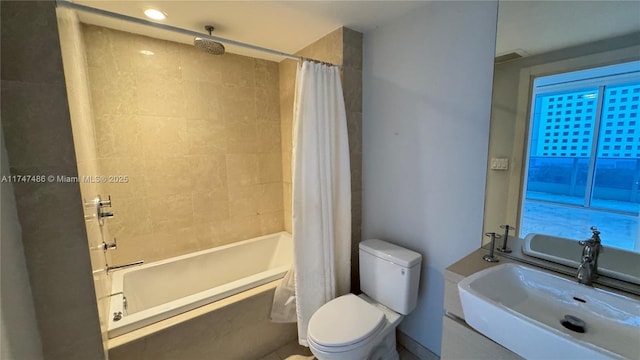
(504,187)
(19,337)
(38,139)
(77,84)
(196,135)
(342,47)
(427,97)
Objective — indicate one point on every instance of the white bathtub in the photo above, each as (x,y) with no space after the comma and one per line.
(162,289)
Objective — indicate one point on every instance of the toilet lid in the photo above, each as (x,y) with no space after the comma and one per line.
(344,321)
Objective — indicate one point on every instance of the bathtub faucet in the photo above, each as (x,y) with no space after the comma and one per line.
(116,267)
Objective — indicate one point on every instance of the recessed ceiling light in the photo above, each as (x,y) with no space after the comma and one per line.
(155,14)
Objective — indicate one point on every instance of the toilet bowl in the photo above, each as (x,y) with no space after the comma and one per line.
(363,327)
(367,327)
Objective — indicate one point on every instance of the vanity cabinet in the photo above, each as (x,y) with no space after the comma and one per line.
(459,340)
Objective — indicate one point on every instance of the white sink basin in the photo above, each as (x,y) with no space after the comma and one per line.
(522,308)
(612,262)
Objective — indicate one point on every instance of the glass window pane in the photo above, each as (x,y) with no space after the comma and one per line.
(561,140)
(616,185)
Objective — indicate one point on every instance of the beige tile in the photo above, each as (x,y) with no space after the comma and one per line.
(269,139)
(287,221)
(159,96)
(208,208)
(206,136)
(135,248)
(209,173)
(238,71)
(118,167)
(200,66)
(177,241)
(98,47)
(353,90)
(237,192)
(242,169)
(158,58)
(242,138)
(163,137)
(246,206)
(271,198)
(118,135)
(286,129)
(202,99)
(287,196)
(267,75)
(286,167)
(170,212)
(356,172)
(113,92)
(166,176)
(267,104)
(354,128)
(123,50)
(239,105)
(211,234)
(272,222)
(131,216)
(244,200)
(352,49)
(270,167)
(243,228)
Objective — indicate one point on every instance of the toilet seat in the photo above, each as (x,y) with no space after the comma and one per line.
(344,323)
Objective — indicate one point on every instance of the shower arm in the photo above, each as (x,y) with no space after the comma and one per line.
(96,11)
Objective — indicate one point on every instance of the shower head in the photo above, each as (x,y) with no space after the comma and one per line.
(207,45)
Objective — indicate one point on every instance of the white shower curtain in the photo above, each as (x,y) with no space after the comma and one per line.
(321,191)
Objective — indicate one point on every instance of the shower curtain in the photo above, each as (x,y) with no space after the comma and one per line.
(321,191)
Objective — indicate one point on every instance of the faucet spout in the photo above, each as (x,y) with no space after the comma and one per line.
(588,269)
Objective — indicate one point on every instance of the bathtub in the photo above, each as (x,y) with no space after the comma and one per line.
(166,288)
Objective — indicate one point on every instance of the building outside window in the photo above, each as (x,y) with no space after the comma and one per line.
(583,163)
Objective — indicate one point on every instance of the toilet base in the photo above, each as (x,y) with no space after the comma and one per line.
(384,349)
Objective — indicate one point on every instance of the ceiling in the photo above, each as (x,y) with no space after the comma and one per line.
(288,26)
(541,26)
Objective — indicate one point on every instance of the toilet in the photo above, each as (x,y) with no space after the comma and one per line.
(359,327)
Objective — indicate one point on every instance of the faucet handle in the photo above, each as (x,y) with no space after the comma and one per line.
(594,230)
(107,246)
(507,227)
(104,203)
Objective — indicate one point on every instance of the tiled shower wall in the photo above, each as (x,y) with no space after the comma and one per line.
(76,78)
(196,135)
(343,47)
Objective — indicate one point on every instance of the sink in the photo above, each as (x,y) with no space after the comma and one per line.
(612,262)
(524,309)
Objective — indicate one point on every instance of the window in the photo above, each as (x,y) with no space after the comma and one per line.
(583,162)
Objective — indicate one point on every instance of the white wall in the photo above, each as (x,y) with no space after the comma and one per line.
(19,337)
(427,96)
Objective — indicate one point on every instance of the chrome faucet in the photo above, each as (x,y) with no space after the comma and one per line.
(588,269)
(116,267)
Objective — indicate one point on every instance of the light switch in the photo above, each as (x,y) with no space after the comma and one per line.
(499,163)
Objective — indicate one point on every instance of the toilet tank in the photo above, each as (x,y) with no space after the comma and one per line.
(390,274)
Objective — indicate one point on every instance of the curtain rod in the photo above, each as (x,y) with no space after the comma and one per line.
(96,11)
